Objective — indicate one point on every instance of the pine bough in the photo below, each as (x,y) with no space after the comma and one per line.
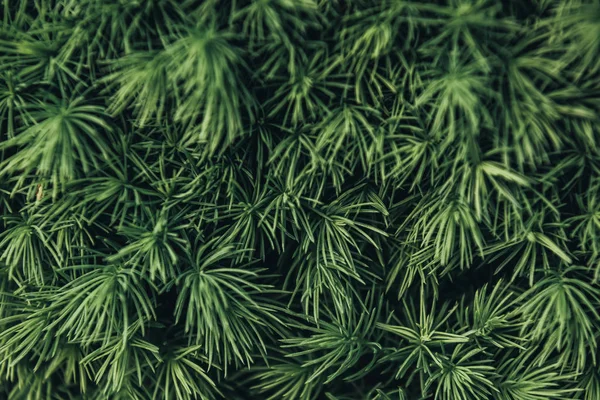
(300,199)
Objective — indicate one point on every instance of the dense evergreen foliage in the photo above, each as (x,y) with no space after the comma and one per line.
(300,199)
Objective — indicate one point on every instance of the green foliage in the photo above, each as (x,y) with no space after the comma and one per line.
(299,199)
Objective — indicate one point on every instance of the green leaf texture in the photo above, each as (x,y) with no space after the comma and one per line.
(299,199)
